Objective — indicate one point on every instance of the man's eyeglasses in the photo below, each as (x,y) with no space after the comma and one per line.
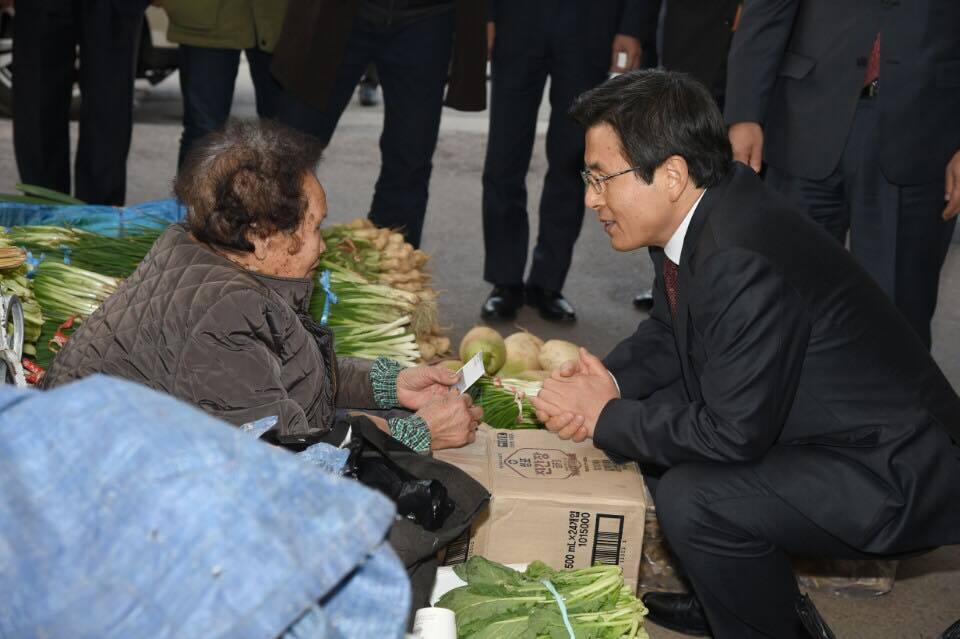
(598,182)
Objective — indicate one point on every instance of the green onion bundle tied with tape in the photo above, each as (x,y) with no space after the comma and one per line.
(113,256)
(505,402)
(372,320)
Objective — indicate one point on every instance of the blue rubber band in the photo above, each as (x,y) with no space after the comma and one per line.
(66,254)
(563,606)
(331,297)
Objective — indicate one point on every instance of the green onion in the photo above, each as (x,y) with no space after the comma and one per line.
(504,402)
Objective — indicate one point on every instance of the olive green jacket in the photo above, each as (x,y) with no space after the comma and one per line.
(226,24)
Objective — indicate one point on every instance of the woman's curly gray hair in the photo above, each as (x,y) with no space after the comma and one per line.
(247,178)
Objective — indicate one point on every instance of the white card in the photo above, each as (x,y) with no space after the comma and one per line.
(470,373)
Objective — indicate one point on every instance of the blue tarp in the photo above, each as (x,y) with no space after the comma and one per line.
(127,513)
(108,220)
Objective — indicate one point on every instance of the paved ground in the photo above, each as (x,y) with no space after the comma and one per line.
(601,284)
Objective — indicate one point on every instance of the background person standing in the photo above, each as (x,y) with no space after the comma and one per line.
(853,106)
(49,36)
(419,48)
(576,44)
(211,36)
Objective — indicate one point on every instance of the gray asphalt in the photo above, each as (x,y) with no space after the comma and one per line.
(601,285)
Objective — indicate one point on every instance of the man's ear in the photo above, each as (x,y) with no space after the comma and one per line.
(677,176)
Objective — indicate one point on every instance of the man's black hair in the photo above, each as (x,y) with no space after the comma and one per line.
(658,114)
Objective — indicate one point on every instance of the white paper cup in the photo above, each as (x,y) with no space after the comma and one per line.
(434,623)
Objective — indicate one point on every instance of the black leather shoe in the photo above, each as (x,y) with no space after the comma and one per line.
(953,632)
(502,303)
(644,300)
(677,611)
(552,305)
(812,622)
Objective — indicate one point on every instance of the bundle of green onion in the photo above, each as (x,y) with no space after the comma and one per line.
(504,402)
(371,320)
(14,282)
(113,256)
(64,290)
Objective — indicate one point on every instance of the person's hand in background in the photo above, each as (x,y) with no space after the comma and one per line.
(626,54)
(951,192)
(746,138)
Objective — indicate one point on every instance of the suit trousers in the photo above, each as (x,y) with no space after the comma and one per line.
(534,40)
(207,80)
(734,536)
(896,231)
(45,50)
(412,60)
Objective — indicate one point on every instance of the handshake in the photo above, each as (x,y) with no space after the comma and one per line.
(571,400)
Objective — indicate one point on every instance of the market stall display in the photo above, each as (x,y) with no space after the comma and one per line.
(372,288)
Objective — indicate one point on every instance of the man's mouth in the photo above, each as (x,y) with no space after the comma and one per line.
(607,225)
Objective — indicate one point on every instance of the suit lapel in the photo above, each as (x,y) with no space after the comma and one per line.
(685,280)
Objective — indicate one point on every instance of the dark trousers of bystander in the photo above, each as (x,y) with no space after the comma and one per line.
(896,231)
(412,58)
(535,40)
(45,53)
(207,80)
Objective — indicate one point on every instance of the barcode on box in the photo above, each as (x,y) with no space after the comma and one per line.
(457,550)
(606,465)
(607,540)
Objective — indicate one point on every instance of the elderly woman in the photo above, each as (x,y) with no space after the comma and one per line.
(216,314)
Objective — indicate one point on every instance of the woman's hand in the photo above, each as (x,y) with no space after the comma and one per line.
(452,419)
(418,385)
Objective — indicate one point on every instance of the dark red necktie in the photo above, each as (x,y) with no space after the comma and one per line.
(671,273)
(873,63)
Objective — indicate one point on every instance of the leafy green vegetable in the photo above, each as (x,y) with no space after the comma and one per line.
(501,603)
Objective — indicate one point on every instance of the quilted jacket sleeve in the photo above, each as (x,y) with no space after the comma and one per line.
(231,366)
(354,389)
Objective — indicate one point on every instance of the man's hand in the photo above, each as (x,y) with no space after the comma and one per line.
(491,37)
(570,402)
(417,386)
(746,138)
(952,191)
(452,419)
(632,52)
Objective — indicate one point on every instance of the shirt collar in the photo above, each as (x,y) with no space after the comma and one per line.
(674,247)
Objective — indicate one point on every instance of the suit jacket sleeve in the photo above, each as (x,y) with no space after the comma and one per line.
(647,360)
(635,17)
(754,331)
(755,54)
(645,14)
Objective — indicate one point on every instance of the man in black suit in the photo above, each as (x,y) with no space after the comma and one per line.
(853,106)
(577,44)
(777,401)
(45,68)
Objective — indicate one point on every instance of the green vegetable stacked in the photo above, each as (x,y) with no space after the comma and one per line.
(504,401)
(501,603)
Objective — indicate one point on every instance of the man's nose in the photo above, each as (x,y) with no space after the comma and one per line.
(592,199)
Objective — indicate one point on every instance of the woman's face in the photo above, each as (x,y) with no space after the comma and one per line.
(295,254)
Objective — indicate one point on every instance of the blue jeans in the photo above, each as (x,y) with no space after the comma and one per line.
(412,59)
(207,79)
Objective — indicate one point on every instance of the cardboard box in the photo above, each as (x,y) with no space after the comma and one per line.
(557,501)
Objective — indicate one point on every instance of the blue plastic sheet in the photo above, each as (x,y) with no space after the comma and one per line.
(107,220)
(126,513)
